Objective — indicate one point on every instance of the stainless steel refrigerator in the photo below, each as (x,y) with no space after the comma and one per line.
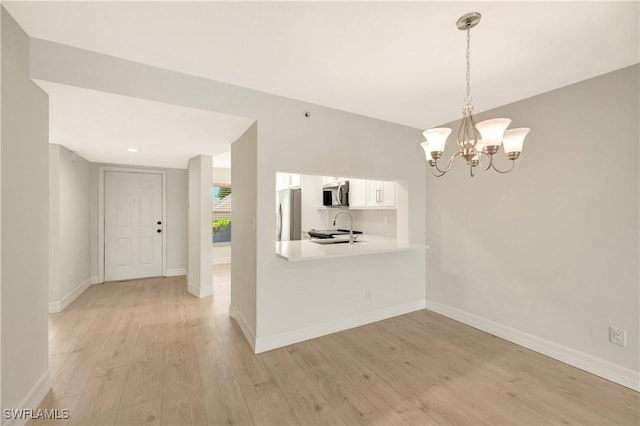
(288,221)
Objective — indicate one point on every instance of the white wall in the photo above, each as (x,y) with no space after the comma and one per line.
(244,158)
(175,226)
(220,253)
(374,222)
(54,225)
(549,252)
(25,217)
(289,297)
(69,227)
(1,218)
(221,175)
(199,226)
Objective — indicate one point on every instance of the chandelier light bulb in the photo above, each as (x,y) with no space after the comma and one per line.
(492,131)
(514,139)
(427,152)
(437,138)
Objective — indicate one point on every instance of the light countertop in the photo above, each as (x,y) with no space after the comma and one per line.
(295,251)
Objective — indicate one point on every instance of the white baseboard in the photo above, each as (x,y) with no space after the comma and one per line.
(199,292)
(294,336)
(95,280)
(60,305)
(600,367)
(33,398)
(221,260)
(246,330)
(176,272)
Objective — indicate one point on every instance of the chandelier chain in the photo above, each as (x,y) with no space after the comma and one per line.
(467,99)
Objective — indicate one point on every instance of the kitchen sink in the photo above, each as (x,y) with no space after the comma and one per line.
(339,240)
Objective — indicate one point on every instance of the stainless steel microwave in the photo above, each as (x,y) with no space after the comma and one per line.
(336,194)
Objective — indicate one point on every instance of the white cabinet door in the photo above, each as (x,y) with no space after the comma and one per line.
(381,193)
(388,195)
(374,187)
(357,193)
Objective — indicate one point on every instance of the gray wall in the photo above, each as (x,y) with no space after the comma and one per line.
(550,249)
(69,212)
(244,161)
(176,219)
(24,192)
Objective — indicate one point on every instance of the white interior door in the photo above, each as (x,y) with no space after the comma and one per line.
(132,225)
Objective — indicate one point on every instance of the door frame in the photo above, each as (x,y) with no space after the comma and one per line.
(101,242)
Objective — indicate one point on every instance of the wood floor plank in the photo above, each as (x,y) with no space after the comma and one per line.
(100,399)
(52,403)
(263,397)
(182,400)
(147,352)
(349,404)
(310,406)
(222,396)
(144,413)
(369,383)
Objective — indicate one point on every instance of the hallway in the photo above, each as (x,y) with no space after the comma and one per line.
(146,352)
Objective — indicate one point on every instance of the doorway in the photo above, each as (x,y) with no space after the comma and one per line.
(133,237)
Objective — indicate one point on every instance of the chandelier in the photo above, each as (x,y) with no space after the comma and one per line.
(477,143)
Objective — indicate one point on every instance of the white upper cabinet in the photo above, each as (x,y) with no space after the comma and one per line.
(388,194)
(357,193)
(372,193)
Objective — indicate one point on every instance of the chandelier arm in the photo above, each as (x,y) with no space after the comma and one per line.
(437,175)
(490,162)
(513,164)
(449,163)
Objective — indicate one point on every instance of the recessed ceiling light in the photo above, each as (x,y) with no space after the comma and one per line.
(133,149)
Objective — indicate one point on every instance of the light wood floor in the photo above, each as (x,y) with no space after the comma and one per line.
(146,352)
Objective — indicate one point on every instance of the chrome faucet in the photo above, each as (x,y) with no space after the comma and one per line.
(351,226)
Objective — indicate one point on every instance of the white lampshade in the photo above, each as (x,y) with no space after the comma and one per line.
(514,139)
(493,130)
(479,145)
(437,138)
(427,152)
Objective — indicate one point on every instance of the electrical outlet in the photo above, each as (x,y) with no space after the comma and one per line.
(618,336)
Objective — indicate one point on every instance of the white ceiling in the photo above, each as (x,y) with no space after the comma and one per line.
(402,62)
(101,126)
